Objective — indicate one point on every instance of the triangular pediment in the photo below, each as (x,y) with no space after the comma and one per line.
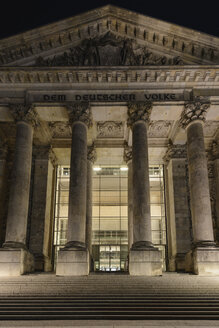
(109,36)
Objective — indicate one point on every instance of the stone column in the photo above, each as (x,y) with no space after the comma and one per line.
(215,155)
(145,259)
(3,157)
(204,255)
(74,258)
(91,157)
(42,212)
(178,215)
(128,160)
(19,260)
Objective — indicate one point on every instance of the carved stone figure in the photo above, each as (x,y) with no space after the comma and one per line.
(108,50)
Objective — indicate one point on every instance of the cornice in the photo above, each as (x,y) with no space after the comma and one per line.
(196,75)
(194,46)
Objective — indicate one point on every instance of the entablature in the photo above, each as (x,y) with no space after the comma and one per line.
(160,76)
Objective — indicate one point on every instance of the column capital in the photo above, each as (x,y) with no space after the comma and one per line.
(127,155)
(139,111)
(91,153)
(3,149)
(175,151)
(193,111)
(215,150)
(80,112)
(24,113)
(45,152)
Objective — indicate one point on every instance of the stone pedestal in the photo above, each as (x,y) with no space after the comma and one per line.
(203,261)
(73,262)
(15,262)
(145,262)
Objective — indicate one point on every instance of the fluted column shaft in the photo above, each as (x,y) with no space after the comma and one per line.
(138,118)
(128,160)
(78,185)
(91,157)
(192,119)
(20,181)
(141,188)
(79,117)
(199,185)
(130,205)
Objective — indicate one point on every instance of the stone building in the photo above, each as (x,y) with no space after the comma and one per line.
(109,149)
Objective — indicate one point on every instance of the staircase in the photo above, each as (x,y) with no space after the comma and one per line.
(109,297)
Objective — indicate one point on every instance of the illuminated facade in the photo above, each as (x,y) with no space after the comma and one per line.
(109,153)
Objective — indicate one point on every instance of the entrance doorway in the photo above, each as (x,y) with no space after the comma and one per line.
(109,258)
(110,218)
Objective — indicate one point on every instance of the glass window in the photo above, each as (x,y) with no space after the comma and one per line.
(110,214)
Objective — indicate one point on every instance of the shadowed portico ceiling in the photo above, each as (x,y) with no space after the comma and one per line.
(109,36)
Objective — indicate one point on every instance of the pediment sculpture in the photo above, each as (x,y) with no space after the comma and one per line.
(108,50)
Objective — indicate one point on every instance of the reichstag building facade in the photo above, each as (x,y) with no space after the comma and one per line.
(109,147)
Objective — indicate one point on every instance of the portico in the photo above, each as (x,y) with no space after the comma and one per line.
(132,101)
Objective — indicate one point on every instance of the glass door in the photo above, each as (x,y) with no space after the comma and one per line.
(109,258)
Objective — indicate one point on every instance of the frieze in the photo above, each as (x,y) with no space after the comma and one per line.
(110,129)
(27,75)
(108,50)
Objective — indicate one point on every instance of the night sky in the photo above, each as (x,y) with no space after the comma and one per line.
(19,16)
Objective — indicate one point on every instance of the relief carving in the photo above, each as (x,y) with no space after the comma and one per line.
(110,129)
(108,50)
(159,129)
(60,129)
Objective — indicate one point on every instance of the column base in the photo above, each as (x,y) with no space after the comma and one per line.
(145,262)
(73,262)
(203,261)
(15,262)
